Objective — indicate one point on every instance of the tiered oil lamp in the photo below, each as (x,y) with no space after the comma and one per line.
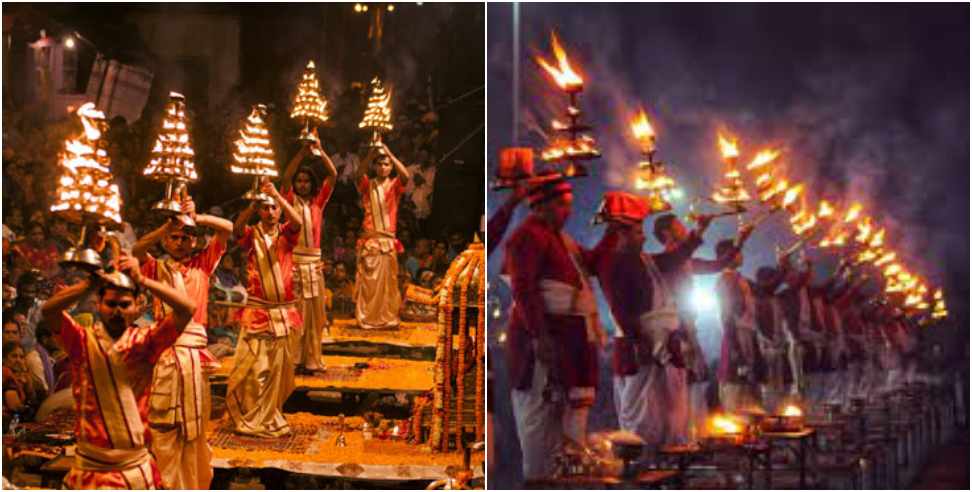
(310,106)
(253,154)
(572,145)
(172,160)
(377,116)
(652,177)
(939,310)
(85,194)
(731,193)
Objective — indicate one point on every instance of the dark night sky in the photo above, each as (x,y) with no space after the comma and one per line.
(869,101)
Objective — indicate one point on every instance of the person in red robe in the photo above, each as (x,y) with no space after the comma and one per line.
(263,367)
(181,396)
(309,197)
(111,365)
(376,293)
(37,252)
(553,335)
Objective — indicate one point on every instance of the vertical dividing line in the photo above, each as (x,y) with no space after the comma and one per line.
(516,73)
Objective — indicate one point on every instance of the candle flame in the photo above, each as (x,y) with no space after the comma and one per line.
(565,76)
(728,147)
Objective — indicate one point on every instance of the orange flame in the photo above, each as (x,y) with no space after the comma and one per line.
(728,147)
(877,240)
(720,424)
(640,126)
(886,258)
(763,158)
(853,213)
(792,411)
(825,210)
(792,194)
(565,76)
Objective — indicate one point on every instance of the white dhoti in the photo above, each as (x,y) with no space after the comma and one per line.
(376,295)
(653,403)
(309,286)
(179,409)
(261,381)
(539,426)
(183,464)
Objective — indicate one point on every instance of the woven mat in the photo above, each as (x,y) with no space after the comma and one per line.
(300,440)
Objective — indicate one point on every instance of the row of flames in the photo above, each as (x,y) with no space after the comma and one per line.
(849,233)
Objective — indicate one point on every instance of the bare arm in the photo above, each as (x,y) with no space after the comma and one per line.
(144,243)
(288,210)
(243,218)
(291,170)
(182,306)
(364,165)
(64,298)
(402,172)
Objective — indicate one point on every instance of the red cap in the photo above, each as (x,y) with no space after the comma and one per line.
(546,187)
(624,207)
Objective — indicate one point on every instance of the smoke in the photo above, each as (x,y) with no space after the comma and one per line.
(852,104)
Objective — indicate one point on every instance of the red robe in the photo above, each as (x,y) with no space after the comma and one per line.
(536,252)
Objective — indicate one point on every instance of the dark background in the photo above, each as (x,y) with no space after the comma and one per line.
(870,103)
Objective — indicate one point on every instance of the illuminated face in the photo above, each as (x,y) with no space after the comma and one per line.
(384,167)
(677,231)
(303,185)
(59,228)
(36,235)
(15,360)
(340,271)
(269,213)
(11,332)
(179,244)
(117,309)
(559,209)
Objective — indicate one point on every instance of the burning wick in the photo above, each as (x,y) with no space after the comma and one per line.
(792,411)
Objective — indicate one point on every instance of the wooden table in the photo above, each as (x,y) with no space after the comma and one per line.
(803,440)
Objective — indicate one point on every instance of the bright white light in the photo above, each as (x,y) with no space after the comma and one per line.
(677,193)
(69,43)
(704,300)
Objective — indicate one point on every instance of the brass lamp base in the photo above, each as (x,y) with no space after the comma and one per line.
(83,259)
(257,196)
(172,208)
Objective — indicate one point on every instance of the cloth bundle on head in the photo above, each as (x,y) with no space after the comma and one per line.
(546,187)
(622,207)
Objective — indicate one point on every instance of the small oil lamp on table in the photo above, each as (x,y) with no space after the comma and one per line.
(789,419)
(723,431)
